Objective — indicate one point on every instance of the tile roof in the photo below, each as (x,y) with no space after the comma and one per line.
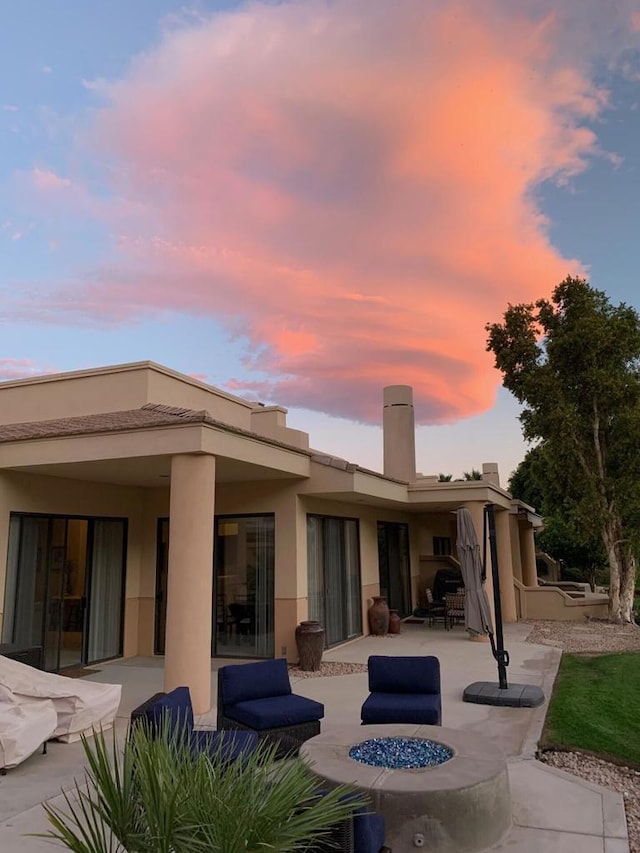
(149,415)
(156,415)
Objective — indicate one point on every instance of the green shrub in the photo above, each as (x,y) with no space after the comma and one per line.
(154,795)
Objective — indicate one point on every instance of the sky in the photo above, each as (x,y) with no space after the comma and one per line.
(301,202)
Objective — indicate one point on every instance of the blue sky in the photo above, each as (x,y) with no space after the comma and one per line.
(311,271)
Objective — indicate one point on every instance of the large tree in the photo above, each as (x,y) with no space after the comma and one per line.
(573,362)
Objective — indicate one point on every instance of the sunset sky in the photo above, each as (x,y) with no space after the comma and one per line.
(303,201)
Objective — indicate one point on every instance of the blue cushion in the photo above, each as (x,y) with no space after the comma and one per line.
(276,711)
(368,831)
(407,674)
(176,707)
(419,708)
(246,681)
(227,745)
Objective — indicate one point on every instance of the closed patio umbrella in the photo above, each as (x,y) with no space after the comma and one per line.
(477,613)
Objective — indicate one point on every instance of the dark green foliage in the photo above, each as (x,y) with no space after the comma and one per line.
(573,362)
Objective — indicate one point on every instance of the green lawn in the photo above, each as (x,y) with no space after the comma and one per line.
(595,707)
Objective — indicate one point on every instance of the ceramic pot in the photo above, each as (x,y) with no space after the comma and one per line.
(394,622)
(379,616)
(310,643)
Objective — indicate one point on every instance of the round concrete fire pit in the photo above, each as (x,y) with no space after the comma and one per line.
(461,804)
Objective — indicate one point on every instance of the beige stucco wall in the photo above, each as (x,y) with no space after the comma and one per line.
(115,389)
(534,602)
(291,509)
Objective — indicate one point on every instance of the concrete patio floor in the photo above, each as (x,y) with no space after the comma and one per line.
(552,810)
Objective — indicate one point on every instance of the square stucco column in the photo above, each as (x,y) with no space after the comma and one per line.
(528,552)
(190,579)
(505,568)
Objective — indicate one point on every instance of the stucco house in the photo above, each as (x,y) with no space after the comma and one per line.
(144,512)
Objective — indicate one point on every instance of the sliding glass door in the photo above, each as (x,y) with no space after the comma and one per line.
(333,574)
(64,589)
(243,586)
(394,567)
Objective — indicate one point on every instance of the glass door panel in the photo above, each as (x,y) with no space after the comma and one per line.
(243,587)
(333,576)
(106,587)
(74,575)
(394,568)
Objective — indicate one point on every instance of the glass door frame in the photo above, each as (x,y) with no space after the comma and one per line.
(162,564)
(50,518)
(403,578)
(344,591)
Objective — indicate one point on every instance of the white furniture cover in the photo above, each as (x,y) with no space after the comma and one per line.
(24,728)
(80,705)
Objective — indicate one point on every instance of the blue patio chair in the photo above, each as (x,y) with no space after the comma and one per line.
(403,690)
(257,697)
(175,711)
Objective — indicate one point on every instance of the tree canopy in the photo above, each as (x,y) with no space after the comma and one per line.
(573,362)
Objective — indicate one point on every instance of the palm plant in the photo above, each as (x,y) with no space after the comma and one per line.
(155,795)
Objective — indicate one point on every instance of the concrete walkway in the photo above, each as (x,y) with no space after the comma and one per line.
(553,811)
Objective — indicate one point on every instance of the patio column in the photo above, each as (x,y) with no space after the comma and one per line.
(190,579)
(505,569)
(528,551)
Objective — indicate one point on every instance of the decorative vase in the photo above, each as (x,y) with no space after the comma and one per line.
(394,622)
(310,643)
(379,616)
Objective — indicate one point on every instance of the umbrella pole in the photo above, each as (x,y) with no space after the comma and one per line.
(488,692)
(499,651)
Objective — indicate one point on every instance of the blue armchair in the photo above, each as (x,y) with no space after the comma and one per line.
(175,711)
(403,690)
(257,697)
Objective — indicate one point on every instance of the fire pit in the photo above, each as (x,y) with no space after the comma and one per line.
(443,789)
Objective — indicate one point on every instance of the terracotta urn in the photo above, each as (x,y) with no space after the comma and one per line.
(310,643)
(379,616)
(395,622)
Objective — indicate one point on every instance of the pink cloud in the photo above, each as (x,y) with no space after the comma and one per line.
(350,186)
(46,179)
(20,368)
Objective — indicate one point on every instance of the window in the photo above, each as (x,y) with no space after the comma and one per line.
(441,546)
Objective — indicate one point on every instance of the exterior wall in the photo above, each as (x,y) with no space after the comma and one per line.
(176,390)
(537,602)
(30,493)
(115,389)
(68,395)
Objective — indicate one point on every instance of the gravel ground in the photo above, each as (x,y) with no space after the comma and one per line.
(596,637)
(327,668)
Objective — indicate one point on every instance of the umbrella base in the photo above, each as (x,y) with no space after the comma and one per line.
(513,696)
